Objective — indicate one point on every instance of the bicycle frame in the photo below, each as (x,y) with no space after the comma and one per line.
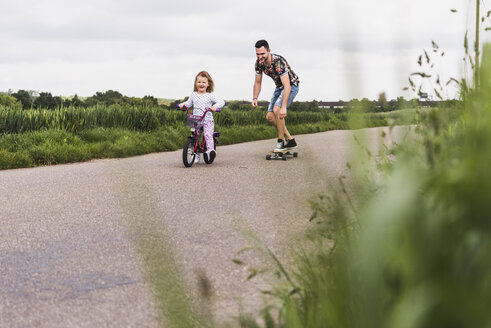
(196,142)
(197,131)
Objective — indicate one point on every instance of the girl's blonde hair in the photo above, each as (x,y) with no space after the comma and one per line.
(211,84)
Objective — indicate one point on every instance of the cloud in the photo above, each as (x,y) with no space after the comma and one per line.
(98,40)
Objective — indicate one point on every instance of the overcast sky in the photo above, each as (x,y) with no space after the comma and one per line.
(339,49)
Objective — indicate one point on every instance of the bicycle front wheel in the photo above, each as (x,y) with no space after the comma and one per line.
(188,153)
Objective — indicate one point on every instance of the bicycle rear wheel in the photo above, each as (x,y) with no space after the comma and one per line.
(188,153)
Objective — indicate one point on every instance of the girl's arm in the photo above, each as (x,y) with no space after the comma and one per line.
(217,102)
(188,103)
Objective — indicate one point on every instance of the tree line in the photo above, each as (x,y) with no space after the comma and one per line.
(45,100)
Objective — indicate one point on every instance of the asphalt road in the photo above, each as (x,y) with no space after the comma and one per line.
(71,251)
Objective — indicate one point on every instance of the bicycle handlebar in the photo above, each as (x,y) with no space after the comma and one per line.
(207,109)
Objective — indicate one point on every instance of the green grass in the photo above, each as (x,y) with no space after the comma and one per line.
(57,145)
(76,119)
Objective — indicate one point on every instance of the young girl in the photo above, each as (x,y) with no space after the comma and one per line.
(201,98)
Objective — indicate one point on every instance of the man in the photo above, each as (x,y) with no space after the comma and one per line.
(286,82)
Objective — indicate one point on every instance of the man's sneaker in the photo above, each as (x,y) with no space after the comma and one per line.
(290,144)
(280,145)
(196,159)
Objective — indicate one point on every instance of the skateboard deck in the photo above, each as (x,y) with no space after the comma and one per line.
(281,154)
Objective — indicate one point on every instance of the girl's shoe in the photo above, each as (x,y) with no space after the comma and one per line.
(196,159)
(210,155)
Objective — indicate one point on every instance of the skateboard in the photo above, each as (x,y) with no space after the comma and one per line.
(281,154)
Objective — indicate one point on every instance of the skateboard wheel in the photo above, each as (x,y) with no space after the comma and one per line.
(268,157)
(295,154)
(283,158)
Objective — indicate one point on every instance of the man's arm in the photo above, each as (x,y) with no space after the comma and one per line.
(257,89)
(285,80)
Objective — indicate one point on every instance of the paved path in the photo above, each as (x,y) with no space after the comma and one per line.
(73,238)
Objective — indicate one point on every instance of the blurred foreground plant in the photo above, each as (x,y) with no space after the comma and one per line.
(418,252)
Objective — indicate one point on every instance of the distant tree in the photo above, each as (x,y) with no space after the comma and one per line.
(110,97)
(90,101)
(303,106)
(24,97)
(368,106)
(33,94)
(58,101)
(414,103)
(364,105)
(9,101)
(298,106)
(233,105)
(383,105)
(393,105)
(132,101)
(313,105)
(150,101)
(402,103)
(77,102)
(46,101)
(239,105)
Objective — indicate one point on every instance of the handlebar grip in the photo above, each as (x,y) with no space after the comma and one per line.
(208,109)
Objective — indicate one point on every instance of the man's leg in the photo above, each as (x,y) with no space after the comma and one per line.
(293,94)
(271,118)
(288,136)
(280,123)
(274,119)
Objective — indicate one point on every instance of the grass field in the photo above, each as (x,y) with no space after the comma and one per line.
(45,137)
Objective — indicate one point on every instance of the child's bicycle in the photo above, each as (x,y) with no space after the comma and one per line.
(196,142)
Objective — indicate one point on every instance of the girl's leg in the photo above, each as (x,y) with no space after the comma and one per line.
(208,129)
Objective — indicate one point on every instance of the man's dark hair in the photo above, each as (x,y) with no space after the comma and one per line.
(262,43)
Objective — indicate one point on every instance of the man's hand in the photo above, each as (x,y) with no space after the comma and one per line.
(282,112)
(254,103)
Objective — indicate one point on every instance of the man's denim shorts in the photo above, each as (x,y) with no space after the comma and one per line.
(277,98)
